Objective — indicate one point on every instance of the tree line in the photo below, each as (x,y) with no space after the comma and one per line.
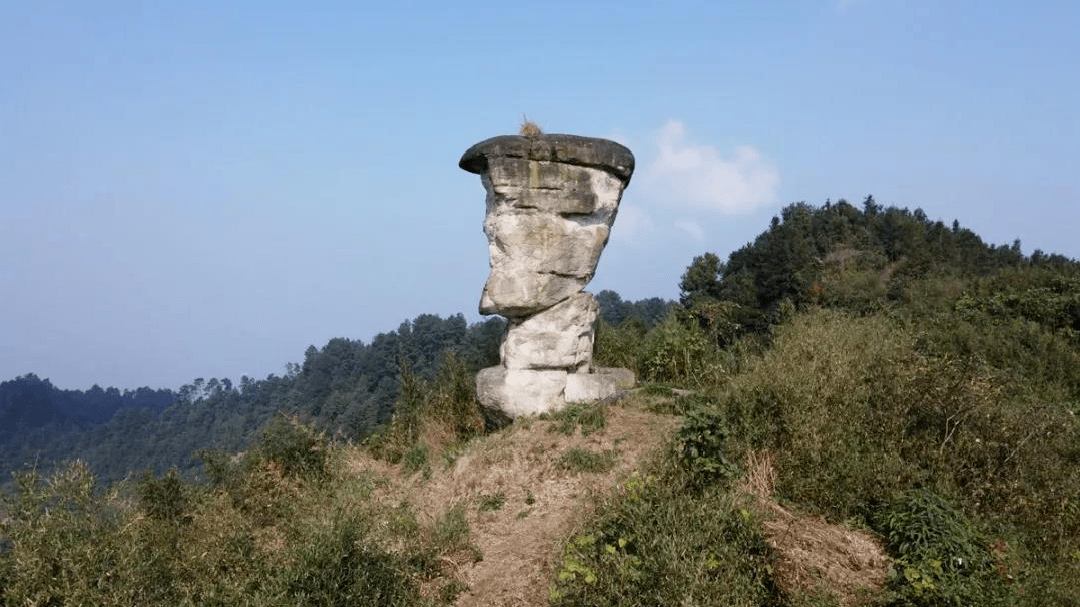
(838,255)
(346,389)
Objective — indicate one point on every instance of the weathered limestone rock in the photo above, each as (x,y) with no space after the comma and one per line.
(573,150)
(508,393)
(598,385)
(560,337)
(551,201)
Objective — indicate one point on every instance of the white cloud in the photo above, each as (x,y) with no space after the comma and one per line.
(692,229)
(694,175)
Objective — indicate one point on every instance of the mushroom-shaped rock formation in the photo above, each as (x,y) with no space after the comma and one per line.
(551,201)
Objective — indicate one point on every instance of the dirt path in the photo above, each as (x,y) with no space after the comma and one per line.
(541,501)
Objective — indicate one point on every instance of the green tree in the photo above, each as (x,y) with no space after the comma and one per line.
(702,280)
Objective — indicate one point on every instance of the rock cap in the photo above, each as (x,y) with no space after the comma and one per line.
(590,152)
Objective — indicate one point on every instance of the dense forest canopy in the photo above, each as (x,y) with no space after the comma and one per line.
(837,255)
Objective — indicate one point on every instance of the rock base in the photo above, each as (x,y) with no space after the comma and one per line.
(506,394)
(601,384)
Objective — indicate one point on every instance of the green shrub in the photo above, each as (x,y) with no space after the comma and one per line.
(416,459)
(665,400)
(621,345)
(676,350)
(683,348)
(824,399)
(700,444)
(163,498)
(489,502)
(941,558)
(448,402)
(657,389)
(450,590)
(652,544)
(451,529)
(336,566)
(592,417)
(63,541)
(296,448)
(451,534)
(254,486)
(453,397)
(858,410)
(258,537)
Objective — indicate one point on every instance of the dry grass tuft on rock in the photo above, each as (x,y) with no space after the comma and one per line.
(529,128)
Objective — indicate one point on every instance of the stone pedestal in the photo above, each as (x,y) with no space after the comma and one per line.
(551,201)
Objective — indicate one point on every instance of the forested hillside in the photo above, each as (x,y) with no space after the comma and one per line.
(347,389)
(840,256)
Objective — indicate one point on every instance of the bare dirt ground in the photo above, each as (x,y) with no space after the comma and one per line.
(521,540)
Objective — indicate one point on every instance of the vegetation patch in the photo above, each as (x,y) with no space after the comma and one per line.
(274,525)
(651,543)
(591,417)
(416,459)
(490,502)
(942,557)
(700,444)
(871,370)
(578,459)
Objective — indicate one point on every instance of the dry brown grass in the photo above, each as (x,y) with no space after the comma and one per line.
(760,475)
(814,555)
(529,128)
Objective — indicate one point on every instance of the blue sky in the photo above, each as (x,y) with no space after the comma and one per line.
(205,188)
